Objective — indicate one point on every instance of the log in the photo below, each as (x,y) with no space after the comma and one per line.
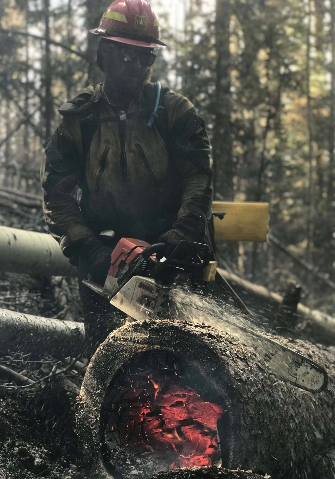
(23,194)
(32,253)
(20,200)
(307,266)
(14,376)
(322,325)
(39,336)
(270,426)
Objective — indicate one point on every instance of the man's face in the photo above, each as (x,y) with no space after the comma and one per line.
(126,66)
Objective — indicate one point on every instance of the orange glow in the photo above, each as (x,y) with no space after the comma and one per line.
(176,423)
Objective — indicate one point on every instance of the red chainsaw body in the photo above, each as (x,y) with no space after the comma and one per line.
(127,250)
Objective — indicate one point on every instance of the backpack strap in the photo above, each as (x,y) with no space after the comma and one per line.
(155,98)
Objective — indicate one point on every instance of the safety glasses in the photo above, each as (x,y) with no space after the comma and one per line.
(130,55)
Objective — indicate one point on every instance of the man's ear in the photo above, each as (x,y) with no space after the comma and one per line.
(100,59)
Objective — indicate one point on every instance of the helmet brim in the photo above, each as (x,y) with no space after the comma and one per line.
(128,41)
(135,43)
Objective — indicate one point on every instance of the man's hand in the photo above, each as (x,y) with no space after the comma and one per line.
(98,257)
(190,227)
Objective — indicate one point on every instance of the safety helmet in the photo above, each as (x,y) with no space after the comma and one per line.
(131,22)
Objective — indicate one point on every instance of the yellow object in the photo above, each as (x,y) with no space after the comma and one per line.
(156,23)
(120,17)
(241,222)
(210,271)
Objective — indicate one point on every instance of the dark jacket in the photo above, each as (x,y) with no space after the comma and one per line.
(133,179)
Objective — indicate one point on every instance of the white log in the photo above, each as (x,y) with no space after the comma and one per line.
(32,253)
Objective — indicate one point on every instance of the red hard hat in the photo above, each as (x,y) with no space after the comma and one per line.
(132,22)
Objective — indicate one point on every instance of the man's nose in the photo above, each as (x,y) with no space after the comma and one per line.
(136,63)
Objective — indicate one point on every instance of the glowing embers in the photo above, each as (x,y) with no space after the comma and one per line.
(155,422)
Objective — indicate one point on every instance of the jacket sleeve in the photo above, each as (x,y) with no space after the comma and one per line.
(190,151)
(60,174)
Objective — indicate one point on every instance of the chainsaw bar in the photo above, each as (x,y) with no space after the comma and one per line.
(143,298)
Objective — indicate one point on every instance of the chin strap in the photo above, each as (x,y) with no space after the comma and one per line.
(154,113)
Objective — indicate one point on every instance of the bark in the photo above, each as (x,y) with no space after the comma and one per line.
(32,253)
(40,336)
(269,425)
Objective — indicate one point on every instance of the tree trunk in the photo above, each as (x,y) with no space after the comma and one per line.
(48,100)
(331,166)
(40,336)
(93,16)
(222,142)
(311,207)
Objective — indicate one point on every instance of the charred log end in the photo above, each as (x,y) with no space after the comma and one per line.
(287,317)
(146,407)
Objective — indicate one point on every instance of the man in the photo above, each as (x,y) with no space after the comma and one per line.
(139,154)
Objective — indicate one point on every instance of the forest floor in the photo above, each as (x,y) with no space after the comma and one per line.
(37,424)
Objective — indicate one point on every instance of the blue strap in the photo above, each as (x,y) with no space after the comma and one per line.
(154,113)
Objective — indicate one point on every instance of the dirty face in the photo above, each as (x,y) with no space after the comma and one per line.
(128,68)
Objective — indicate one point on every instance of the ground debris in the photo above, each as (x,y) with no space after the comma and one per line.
(209,473)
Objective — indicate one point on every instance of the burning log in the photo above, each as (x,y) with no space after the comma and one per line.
(161,395)
(27,333)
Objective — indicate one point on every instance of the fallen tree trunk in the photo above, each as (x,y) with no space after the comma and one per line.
(32,253)
(20,200)
(268,425)
(37,253)
(40,336)
(23,194)
(322,325)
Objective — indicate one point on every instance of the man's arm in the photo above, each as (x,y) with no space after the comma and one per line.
(60,174)
(190,151)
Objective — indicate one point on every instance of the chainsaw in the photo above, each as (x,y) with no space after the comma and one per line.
(145,284)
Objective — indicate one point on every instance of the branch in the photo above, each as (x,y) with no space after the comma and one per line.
(309,267)
(18,126)
(14,376)
(43,39)
(55,372)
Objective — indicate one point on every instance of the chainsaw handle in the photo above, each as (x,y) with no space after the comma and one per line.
(154,248)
